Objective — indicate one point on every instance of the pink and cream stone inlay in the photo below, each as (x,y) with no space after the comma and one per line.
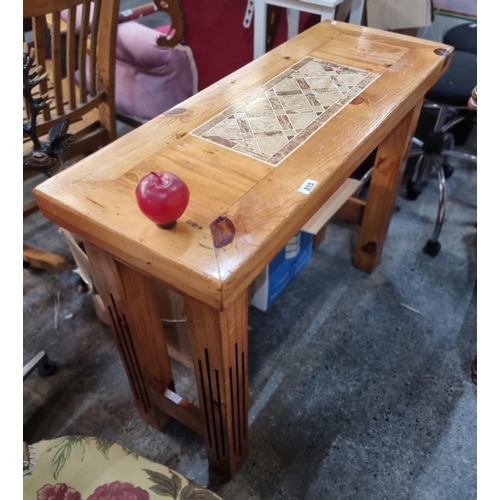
(272,121)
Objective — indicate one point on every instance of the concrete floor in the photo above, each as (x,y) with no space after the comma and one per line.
(360,384)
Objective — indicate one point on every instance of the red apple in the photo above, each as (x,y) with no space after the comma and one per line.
(162,197)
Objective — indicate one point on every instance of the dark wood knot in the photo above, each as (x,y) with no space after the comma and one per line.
(194,224)
(442,52)
(357,100)
(223,231)
(175,111)
(370,248)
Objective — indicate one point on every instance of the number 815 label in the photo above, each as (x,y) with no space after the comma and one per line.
(307,186)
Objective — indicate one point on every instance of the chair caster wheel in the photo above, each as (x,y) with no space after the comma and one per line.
(47,369)
(448,170)
(432,248)
(413,191)
(473,370)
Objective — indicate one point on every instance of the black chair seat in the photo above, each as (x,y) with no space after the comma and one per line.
(455,86)
(463,37)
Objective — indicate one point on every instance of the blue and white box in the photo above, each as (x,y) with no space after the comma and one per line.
(289,262)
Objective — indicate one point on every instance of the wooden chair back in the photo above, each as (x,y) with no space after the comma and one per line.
(75,41)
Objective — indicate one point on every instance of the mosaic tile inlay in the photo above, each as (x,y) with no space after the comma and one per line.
(272,121)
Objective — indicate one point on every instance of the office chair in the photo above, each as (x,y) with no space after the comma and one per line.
(463,37)
(449,97)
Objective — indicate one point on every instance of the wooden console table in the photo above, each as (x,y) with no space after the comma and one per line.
(261,151)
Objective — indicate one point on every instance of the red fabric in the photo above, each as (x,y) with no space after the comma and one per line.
(220,43)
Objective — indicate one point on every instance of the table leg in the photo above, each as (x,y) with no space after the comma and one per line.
(219,347)
(130,300)
(259,23)
(328,14)
(356,15)
(390,163)
(293,18)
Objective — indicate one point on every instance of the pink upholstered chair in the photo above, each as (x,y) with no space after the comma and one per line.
(155,71)
(150,79)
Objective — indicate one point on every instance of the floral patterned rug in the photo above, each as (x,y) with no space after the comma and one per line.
(88,468)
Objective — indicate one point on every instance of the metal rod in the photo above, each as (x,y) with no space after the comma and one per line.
(441,118)
(460,155)
(449,141)
(442,197)
(452,123)
(431,105)
(420,168)
(40,358)
(363,182)
(415,152)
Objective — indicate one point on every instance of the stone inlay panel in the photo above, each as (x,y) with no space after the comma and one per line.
(272,121)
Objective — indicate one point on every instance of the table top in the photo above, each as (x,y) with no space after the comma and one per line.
(261,151)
